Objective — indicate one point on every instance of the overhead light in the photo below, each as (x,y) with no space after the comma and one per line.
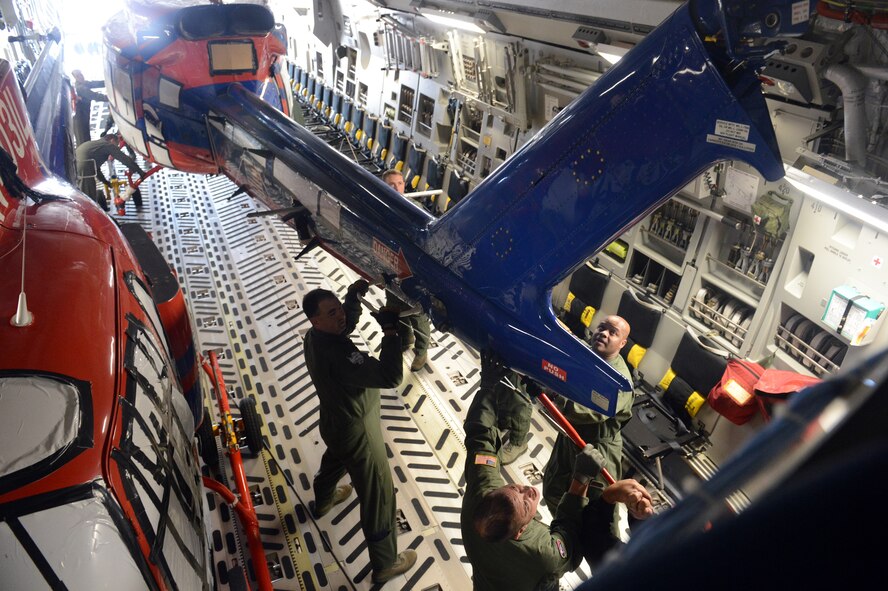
(609,57)
(610,53)
(597,42)
(838,199)
(480,21)
(453,22)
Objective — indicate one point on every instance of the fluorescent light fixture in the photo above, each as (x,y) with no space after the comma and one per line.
(474,21)
(610,53)
(454,22)
(610,58)
(598,42)
(840,200)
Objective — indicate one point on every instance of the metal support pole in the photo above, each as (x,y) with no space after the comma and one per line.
(244,504)
(569,430)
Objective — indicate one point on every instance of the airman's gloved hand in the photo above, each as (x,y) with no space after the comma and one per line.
(492,368)
(388,318)
(588,464)
(359,287)
(532,388)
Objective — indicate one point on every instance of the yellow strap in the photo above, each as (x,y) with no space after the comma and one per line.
(635,355)
(693,404)
(348,126)
(370,144)
(667,379)
(383,154)
(399,165)
(414,182)
(568,301)
(359,134)
(586,316)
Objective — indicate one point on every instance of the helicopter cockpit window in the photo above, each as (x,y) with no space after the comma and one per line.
(232,57)
(146,302)
(63,539)
(155,456)
(51,419)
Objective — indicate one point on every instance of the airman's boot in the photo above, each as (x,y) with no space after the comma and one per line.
(403,563)
(342,492)
(510,452)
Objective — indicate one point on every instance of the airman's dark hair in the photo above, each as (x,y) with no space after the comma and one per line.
(495,517)
(312,300)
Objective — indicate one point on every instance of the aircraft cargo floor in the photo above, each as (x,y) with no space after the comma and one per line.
(245,290)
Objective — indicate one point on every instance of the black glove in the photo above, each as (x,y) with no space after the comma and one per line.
(532,388)
(588,464)
(492,368)
(359,287)
(388,318)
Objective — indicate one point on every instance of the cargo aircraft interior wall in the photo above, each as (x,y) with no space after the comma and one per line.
(455,104)
(790,274)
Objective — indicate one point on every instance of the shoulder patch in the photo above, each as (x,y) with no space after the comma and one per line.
(559,543)
(356,358)
(486,460)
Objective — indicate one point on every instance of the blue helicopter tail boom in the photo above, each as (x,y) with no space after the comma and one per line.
(587,177)
(485,270)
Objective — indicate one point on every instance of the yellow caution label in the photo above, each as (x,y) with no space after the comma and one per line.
(693,403)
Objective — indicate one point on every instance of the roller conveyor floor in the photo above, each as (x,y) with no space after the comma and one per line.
(245,290)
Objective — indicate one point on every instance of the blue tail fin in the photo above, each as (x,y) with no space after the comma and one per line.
(650,125)
(654,122)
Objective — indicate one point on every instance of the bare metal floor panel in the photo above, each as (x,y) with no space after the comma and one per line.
(245,289)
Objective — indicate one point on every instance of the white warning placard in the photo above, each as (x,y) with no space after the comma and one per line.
(730,142)
(736,131)
(800,12)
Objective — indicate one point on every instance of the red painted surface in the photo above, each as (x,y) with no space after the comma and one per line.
(75,260)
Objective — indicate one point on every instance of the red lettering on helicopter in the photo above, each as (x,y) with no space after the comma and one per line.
(15,131)
(395,261)
(553,369)
(11,126)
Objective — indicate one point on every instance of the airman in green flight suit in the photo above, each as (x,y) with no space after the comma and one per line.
(347,382)
(507,546)
(596,429)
